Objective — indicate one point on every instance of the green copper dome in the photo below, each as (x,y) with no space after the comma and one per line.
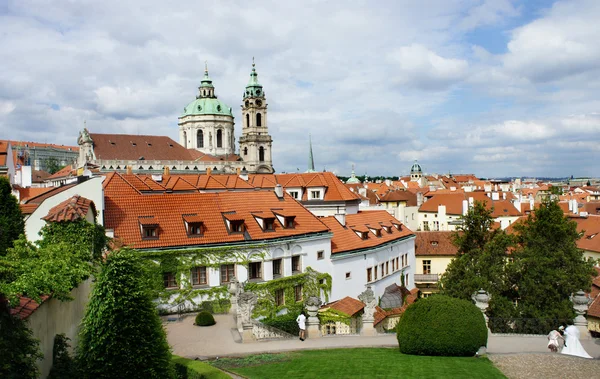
(207,105)
(416,168)
(206,102)
(254,88)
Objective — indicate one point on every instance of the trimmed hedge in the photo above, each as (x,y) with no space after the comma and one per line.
(191,369)
(442,325)
(204,319)
(286,322)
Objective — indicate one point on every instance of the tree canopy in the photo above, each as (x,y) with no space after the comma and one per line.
(537,268)
(11,219)
(121,334)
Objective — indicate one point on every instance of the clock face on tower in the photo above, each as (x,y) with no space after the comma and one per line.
(258,103)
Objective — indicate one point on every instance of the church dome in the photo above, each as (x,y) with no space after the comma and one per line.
(416,168)
(207,106)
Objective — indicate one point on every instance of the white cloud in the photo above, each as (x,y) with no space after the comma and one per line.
(422,68)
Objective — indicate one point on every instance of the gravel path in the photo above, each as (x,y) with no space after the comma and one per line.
(545,366)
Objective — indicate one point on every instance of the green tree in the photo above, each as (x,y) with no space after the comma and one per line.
(122,335)
(51,165)
(481,257)
(11,219)
(548,266)
(19,350)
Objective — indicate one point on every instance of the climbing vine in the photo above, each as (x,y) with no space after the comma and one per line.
(333,315)
(313,284)
(180,263)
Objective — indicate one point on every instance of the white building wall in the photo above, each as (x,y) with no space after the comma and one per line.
(358,263)
(90,189)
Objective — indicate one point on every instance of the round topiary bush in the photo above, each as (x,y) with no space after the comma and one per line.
(442,325)
(204,319)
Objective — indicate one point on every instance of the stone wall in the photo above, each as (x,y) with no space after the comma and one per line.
(55,317)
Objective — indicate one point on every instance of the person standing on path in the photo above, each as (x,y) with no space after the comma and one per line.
(572,344)
(553,343)
(301,320)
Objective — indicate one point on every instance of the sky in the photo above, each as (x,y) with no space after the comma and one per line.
(490,87)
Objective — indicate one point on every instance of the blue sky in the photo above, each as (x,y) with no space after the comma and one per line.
(490,87)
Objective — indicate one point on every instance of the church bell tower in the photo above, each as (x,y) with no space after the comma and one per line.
(255,142)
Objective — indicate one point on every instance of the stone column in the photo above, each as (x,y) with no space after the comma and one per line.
(581,303)
(313,329)
(368,298)
(246,303)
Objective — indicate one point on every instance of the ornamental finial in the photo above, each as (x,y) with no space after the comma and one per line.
(253,62)
(206,67)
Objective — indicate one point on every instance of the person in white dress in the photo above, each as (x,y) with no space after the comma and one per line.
(301,320)
(553,338)
(572,344)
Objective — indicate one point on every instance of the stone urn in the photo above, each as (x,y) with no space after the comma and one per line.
(482,301)
(581,303)
(312,306)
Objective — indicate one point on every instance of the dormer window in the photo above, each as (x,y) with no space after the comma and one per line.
(315,194)
(388,229)
(375,231)
(294,194)
(269,224)
(193,225)
(398,226)
(236,226)
(286,219)
(148,227)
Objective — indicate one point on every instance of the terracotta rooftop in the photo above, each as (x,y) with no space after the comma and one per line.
(29,192)
(454,204)
(397,196)
(38,176)
(594,309)
(27,306)
(589,228)
(348,305)
(434,243)
(345,239)
(71,209)
(124,204)
(137,147)
(63,172)
(30,144)
(32,203)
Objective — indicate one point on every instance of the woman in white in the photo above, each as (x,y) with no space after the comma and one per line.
(553,338)
(572,344)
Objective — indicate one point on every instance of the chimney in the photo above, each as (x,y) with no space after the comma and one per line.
(576,207)
(362,191)
(166,171)
(471,202)
(243,174)
(129,171)
(465,207)
(419,199)
(503,195)
(341,217)
(570,202)
(279,191)
(208,171)
(531,204)
(237,171)
(495,196)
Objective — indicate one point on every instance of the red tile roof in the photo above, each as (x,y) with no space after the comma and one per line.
(134,147)
(348,305)
(409,298)
(124,204)
(589,227)
(71,209)
(66,171)
(434,243)
(594,309)
(345,239)
(27,306)
(454,204)
(38,176)
(32,203)
(399,196)
(27,193)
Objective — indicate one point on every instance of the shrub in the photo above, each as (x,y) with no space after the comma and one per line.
(218,306)
(191,369)
(205,319)
(441,325)
(286,322)
(63,365)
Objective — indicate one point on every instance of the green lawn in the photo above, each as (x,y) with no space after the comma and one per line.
(358,363)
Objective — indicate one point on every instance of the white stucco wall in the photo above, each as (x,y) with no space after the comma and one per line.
(357,264)
(90,189)
(55,317)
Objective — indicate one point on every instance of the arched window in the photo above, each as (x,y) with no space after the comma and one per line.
(245,151)
(247,120)
(219,138)
(203,93)
(200,139)
(258,119)
(185,140)
(261,154)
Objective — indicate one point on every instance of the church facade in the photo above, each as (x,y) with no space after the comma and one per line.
(206,139)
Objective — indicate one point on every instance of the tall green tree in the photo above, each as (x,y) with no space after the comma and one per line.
(548,266)
(122,335)
(11,219)
(481,258)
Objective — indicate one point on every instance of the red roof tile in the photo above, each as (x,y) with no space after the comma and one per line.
(454,204)
(27,306)
(123,205)
(71,209)
(134,147)
(345,239)
(434,243)
(348,305)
